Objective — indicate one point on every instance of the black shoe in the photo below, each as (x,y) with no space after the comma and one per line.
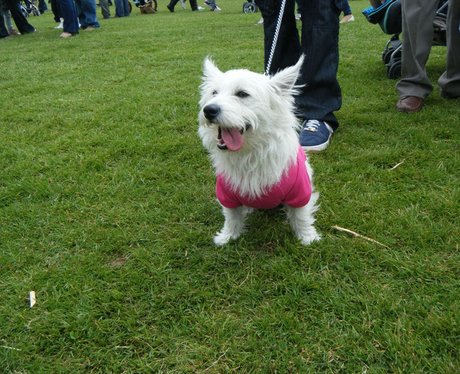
(171,9)
(447,95)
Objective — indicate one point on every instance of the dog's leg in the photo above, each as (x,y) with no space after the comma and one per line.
(233,225)
(302,220)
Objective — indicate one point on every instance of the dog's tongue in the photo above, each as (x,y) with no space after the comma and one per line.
(232,138)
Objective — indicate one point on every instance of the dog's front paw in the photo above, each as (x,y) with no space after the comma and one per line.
(221,238)
(310,237)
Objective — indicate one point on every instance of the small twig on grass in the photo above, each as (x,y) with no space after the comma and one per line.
(398,164)
(355,234)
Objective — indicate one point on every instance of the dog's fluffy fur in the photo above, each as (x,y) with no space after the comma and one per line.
(261,108)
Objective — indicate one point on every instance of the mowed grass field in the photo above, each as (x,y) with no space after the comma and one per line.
(107,212)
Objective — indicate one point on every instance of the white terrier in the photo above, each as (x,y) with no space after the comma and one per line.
(248,125)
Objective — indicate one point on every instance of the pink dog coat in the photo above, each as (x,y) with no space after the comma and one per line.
(294,189)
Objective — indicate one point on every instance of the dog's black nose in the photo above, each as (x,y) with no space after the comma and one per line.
(211,111)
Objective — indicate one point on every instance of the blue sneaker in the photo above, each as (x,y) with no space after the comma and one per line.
(315,135)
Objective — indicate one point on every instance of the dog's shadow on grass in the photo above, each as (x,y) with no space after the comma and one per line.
(267,231)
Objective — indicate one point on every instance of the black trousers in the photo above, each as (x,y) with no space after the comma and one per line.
(21,22)
(318,41)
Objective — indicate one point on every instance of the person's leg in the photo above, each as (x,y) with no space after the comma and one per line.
(55,9)
(172,4)
(193,5)
(344,6)
(9,23)
(321,95)
(3,30)
(105,11)
(21,22)
(286,52)
(127,8)
(450,80)
(211,4)
(42,7)
(86,10)
(69,13)
(118,8)
(417,26)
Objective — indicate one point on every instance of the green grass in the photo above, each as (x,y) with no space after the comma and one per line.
(107,211)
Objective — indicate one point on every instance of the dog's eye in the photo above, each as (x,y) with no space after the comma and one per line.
(242,94)
(214,93)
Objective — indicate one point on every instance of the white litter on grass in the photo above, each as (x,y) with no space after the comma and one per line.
(32,299)
(12,348)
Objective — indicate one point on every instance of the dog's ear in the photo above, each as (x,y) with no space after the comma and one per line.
(285,79)
(210,70)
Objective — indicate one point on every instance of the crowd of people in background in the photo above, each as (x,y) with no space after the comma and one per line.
(72,15)
(318,39)
(11,9)
(75,15)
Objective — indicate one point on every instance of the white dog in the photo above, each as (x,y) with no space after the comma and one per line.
(247,124)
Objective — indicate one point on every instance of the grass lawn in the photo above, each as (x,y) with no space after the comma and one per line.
(107,212)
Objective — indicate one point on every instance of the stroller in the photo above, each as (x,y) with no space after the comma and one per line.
(29,8)
(388,16)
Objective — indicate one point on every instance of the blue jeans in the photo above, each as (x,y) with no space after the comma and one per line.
(319,42)
(121,8)
(344,6)
(69,13)
(86,10)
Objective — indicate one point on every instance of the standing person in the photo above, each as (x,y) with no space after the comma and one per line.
(417,26)
(121,8)
(86,10)
(320,95)
(344,6)
(69,13)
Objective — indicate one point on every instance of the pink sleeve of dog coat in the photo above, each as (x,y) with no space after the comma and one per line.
(294,189)
(225,195)
(300,193)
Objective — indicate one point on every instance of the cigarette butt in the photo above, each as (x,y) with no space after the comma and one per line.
(32,299)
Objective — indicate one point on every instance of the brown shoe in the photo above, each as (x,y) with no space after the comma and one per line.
(409,104)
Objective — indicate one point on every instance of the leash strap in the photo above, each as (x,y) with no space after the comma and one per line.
(275,37)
